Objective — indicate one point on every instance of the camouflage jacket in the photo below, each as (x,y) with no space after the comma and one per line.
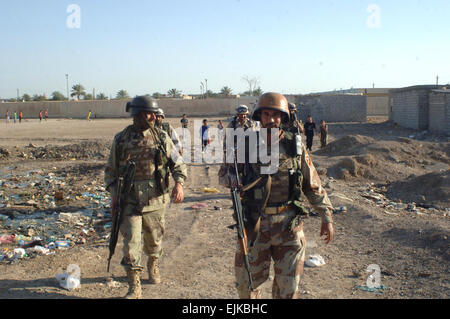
(281,191)
(150,156)
(171,132)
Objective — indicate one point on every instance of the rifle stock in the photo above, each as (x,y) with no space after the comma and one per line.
(124,185)
(242,234)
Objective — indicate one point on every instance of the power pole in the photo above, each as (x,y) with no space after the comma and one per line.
(67,84)
(437,79)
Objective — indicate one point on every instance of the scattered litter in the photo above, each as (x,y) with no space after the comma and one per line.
(315,261)
(199,206)
(19,253)
(340,209)
(340,196)
(217,208)
(67,281)
(210,190)
(111,283)
(378,290)
(7,239)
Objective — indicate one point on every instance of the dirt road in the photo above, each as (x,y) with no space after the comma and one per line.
(369,176)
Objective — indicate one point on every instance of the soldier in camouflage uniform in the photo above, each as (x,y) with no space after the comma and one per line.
(168,129)
(294,125)
(241,119)
(273,208)
(153,152)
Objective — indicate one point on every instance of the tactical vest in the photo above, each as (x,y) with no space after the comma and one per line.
(286,184)
(152,174)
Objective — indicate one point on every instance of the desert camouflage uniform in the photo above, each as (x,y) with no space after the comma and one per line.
(144,210)
(169,129)
(280,236)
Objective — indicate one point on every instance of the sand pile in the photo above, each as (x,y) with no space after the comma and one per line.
(83,150)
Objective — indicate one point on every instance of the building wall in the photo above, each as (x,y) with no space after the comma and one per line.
(116,108)
(439,112)
(333,108)
(410,106)
(377,105)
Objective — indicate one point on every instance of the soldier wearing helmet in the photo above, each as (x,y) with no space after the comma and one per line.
(241,119)
(143,211)
(273,208)
(294,126)
(168,129)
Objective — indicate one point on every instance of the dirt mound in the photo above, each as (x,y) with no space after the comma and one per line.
(432,188)
(347,145)
(83,150)
(380,160)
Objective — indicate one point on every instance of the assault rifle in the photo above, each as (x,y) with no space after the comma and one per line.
(242,234)
(124,185)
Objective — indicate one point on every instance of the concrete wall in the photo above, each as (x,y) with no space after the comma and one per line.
(439,112)
(410,106)
(116,108)
(333,108)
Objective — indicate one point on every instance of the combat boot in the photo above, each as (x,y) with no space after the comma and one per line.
(134,285)
(153,270)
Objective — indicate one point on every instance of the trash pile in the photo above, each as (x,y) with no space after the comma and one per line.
(41,213)
(374,194)
(83,150)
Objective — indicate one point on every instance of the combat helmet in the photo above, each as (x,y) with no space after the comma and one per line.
(292,107)
(273,101)
(242,109)
(141,104)
(160,112)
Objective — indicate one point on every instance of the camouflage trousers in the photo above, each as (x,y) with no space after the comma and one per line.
(136,225)
(275,241)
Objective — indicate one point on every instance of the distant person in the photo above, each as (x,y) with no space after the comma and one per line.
(294,126)
(241,119)
(46,114)
(169,129)
(15,117)
(323,132)
(205,134)
(184,121)
(220,130)
(309,128)
(7,116)
(40,116)
(184,125)
(89,115)
(20,116)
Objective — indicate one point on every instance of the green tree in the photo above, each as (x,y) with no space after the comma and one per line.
(58,96)
(225,91)
(257,92)
(26,97)
(174,93)
(101,96)
(122,94)
(78,90)
(88,96)
(39,97)
(157,95)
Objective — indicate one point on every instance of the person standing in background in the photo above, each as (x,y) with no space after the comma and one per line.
(20,116)
(309,128)
(323,134)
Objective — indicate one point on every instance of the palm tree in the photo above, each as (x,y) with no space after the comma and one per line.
(78,90)
(101,96)
(225,91)
(122,94)
(257,92)
(174,93)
